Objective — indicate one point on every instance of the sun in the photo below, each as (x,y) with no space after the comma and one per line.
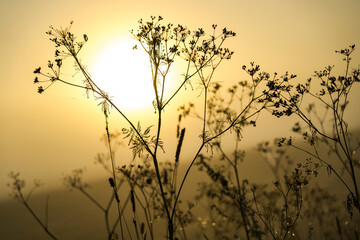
(125,74)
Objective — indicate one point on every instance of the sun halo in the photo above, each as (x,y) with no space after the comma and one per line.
(125,74)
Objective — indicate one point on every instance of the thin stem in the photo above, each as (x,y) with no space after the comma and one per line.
(187,77)
(207,141)
(44,226)
(114,177)
(97,90)
(92,199)
(261,218)
(147,217)
(184,178)
(328,165)
(241,199)
(118,220)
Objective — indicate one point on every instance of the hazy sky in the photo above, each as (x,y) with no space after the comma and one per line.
(43,136)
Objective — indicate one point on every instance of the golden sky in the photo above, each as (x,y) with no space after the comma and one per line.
(43,136)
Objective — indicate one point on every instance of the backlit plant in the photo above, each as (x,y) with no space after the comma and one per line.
(238,208)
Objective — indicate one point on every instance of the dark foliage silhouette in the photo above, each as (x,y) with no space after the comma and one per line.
(237,208)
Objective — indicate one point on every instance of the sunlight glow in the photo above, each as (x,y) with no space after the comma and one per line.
(125,74)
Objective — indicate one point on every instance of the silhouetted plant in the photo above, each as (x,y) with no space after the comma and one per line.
(17,185)
(237,208)
(281,99)
(322,122)
(260,212)
(162,43)
(250,97)
(74,181)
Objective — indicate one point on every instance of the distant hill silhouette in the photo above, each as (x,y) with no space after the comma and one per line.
(73,216)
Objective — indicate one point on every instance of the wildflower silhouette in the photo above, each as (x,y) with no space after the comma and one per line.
(149,189)
(333,97)
(163,44)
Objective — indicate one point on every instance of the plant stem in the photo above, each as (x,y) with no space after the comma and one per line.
(241,199)
(44,226)
(114,176)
